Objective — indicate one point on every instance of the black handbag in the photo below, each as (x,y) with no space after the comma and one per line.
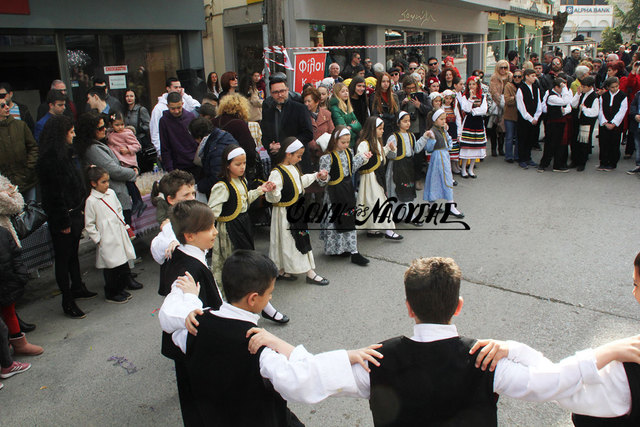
(29,220)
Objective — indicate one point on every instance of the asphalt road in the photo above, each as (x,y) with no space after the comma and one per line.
(548,261)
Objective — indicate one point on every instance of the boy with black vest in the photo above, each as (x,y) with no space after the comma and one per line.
(613,108)
(233,387)
(558,104)
(529,104)
(433,378)
(193,223)
(585,103)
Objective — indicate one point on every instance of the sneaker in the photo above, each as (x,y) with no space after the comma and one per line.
(562,170)
(117,299)
(540,169)
(634,171)
(532,163)
(523,165)
(15,368)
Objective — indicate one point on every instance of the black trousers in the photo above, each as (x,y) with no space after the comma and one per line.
(190,414)
(609,146)
(65,248)
(527,137)
(116,279)
(554,147)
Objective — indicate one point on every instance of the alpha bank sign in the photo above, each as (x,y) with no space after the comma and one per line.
(571,10)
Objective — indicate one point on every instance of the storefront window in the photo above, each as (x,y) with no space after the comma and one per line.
(494,50)
(458,50)
(400,37)
(343,35)
(249,51)
(149,60)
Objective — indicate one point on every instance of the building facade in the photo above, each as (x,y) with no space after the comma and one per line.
(586,17)
(132,44)
(233,39)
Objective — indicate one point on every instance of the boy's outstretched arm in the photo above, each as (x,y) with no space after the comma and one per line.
(302,376)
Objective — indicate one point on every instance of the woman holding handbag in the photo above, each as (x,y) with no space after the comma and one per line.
(63,195)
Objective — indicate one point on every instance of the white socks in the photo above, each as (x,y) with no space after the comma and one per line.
(454,210)
(271,311)
(471,165)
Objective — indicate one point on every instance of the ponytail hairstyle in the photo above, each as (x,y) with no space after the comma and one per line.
(93,173)
(282,153)
(369,134)
(169,185)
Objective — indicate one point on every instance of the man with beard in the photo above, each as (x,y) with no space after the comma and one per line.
(282,118)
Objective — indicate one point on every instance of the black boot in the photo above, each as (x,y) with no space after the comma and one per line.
(71,309)
(133,284)
(24,326)
(81,292)
(501,144)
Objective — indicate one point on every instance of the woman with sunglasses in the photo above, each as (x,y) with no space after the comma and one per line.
(496,129)
(91,147)
(228,83)
(510,116)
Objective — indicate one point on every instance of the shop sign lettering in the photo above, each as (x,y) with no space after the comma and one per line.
(588,9)
(422,16)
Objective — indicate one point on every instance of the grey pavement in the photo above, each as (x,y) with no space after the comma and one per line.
(548,261)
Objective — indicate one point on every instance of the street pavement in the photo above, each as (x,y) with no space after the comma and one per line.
(548,261)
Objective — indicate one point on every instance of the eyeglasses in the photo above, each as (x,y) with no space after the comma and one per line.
(412,68)
(517,76)
(278,92)
(432,64)
(99,128)
(3,105)
(504,67)
(3,95)
(395,74)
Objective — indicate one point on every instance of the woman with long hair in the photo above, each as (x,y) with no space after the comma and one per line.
(446,79)
(228,83)
(213,84)
(138,116)
(342,111)
(233,114)
(92,149)
(63,195)
(249,88)
(359,99)
(473,143)
(497,85)
(385,105)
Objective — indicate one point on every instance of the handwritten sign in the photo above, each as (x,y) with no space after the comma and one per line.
(422,16)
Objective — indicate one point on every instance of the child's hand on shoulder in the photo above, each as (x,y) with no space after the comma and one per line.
(364,355)
(492,351)
(188,285)
(268,187)
(191,323)
(172,247)
(262,338)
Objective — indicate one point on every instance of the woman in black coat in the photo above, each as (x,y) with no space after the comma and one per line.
(63,195)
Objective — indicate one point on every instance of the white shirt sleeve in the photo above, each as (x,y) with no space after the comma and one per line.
(619,117)
(465,104)
(601,118)
(538,113)
(154,127)
(308,378)
(190,104)
(559,101)
(545,381)
(161,242)
(594,111)
(482,109)
(609,398)
(175,309)
(521,107)
(575,101)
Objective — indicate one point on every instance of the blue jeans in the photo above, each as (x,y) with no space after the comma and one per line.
(636,139)
(510,140)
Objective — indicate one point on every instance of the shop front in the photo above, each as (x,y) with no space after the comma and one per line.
(386,25)
(129,44)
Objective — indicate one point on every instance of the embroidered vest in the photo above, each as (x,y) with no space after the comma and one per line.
(400,145)
(232,207)
(289,192)
(336,167)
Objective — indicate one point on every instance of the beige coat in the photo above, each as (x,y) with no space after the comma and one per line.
(107,230)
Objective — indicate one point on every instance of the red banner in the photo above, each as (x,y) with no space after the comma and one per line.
(14,7)
(309,68)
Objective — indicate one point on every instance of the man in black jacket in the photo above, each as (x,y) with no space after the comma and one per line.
(283,118)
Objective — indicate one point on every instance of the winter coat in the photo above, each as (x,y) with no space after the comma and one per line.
(211,155)
(339,118)
(63,187)
(138,117)
(125,139)
(322,124)
(255,104)
(107,230)
(18,153)
(11,203)
(13,273)
(101,155)
(239,129)
(510,107)
(177,146)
